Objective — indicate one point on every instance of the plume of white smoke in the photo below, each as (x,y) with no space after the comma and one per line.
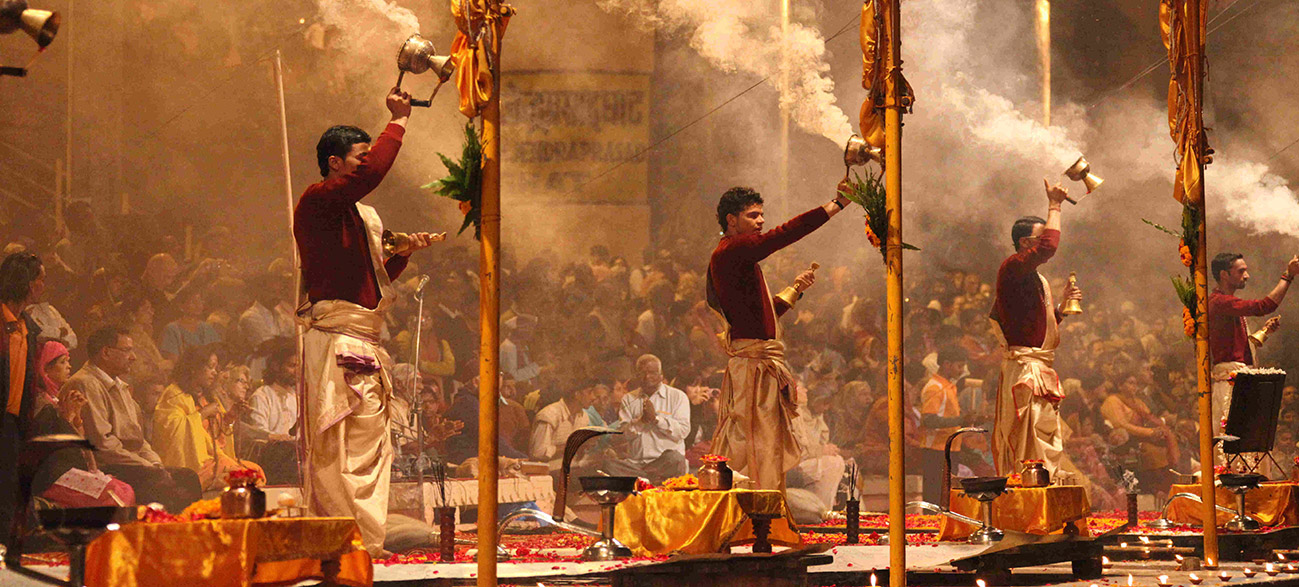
(1250,195)
(363,25)
(745,36)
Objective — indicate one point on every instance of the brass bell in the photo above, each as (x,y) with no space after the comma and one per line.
(1259,336)
(859,152)
(1071,307)
(417,55)
(791,294)
(1081,170)
(40,25)
(395,242)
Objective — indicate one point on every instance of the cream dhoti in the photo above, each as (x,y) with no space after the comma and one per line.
(755,423)
(1027,421)
(345,405)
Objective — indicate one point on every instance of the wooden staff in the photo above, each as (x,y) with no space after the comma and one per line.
(297,273)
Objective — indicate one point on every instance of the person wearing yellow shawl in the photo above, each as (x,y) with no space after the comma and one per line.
(179,433)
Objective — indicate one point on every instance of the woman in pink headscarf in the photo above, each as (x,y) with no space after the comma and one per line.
(70,477)
(54,367)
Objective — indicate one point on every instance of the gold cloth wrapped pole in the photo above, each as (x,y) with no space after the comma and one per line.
(489,319)
(893,260)
(1202,361)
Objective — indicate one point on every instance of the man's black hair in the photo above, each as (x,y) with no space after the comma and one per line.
(1222,262)
(1022,228)
(282,350)
(337,142)
(735,201)
(951,353)
(103,338)
(17,273)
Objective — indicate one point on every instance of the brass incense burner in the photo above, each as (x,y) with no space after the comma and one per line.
(418,55)
(1081,170)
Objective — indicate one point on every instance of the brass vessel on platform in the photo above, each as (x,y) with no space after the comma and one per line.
(715,475)
(1071,307)
(1034,474)
(243,500)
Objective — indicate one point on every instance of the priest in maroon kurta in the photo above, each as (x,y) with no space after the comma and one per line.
(757,401)
(1229,344)
(1027,420)
(347,285)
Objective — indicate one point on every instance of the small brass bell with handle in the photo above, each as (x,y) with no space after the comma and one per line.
(1071,306)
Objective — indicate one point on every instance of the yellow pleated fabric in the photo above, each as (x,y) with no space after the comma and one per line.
(1272,504)
(1036,510)
(228,552)
(699,522)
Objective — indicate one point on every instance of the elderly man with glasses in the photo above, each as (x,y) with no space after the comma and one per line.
(114,424)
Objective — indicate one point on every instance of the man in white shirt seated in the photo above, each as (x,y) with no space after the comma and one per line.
(655,421)
(821,467)
(556,421)
(272,414)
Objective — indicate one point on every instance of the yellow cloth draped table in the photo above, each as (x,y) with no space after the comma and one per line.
(1036,510)
(228,552)
(699,522)
(1272,504)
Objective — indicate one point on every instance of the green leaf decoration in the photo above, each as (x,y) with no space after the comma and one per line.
(464,181)
(869,194)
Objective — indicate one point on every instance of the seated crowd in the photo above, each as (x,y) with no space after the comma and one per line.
(180,368)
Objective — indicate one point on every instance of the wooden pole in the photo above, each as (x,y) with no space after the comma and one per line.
(489,319)
(893,259)
(67,121)
(297,270)
(1043,26)
(1202,360)
(784,105)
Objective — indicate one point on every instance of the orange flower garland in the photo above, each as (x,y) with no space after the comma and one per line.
(1188,322)
(683,483)
(1185,252)
(870,234)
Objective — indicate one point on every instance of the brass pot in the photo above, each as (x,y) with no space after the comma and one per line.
(243,501)
(715,476)
(1034,474)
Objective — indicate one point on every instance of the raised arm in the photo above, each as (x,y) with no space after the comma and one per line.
(351,187)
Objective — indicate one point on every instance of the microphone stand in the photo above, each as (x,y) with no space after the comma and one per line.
(418,395)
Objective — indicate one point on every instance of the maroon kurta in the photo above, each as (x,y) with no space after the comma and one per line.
(1018,307)
(1228,340)
(736,285)
(331,236)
